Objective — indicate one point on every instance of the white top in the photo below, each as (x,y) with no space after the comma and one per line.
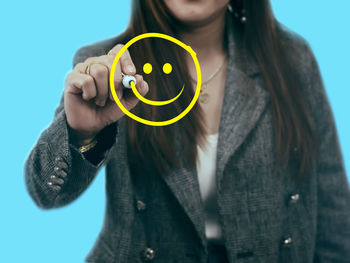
(206,170)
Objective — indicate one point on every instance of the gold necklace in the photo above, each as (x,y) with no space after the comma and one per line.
(203,94)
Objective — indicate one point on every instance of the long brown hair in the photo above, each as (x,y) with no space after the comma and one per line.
(151,148)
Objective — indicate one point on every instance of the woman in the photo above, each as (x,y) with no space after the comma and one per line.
(253,172)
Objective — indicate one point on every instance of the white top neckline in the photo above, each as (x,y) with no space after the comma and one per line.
(214,135)
(206,171)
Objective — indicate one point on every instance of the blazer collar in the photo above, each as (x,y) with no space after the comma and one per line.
(240,112)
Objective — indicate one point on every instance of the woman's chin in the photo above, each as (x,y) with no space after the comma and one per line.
(195,19)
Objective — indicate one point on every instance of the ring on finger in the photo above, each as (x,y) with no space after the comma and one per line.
(87,70)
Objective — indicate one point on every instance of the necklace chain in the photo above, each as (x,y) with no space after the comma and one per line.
(203,95)
(213,74)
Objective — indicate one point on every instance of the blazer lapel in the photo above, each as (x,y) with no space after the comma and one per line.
(184,185)
(244,100)
(237,120)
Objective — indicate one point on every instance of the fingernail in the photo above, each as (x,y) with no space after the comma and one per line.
(130,69)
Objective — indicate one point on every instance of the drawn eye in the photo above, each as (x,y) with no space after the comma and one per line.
(167,68)
(147,68)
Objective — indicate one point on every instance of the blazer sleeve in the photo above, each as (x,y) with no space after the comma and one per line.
(56,173)
(333,194)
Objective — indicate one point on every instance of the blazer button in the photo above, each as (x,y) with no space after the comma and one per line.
(61,163)
(287,242)
(58,159)
(294,198)
(54,186)
(148,254)
(56,180)
(141,206)
(60,172)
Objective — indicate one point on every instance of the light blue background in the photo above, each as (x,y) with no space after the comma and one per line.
(38,40)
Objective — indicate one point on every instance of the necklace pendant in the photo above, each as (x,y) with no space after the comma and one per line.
(204,97)
(202,89)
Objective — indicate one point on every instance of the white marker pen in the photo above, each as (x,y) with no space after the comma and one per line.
(127,80)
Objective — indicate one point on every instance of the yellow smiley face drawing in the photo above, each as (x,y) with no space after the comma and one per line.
(167,68)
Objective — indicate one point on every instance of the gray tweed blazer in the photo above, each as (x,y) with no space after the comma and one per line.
(265,218)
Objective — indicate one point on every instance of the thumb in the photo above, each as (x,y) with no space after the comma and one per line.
(113,113)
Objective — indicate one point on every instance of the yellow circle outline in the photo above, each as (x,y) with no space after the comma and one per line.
(179,43)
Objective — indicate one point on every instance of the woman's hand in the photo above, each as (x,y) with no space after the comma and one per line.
(88,101)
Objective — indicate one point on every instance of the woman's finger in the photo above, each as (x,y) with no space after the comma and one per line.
(83,84)
(100,73)
(126,63)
